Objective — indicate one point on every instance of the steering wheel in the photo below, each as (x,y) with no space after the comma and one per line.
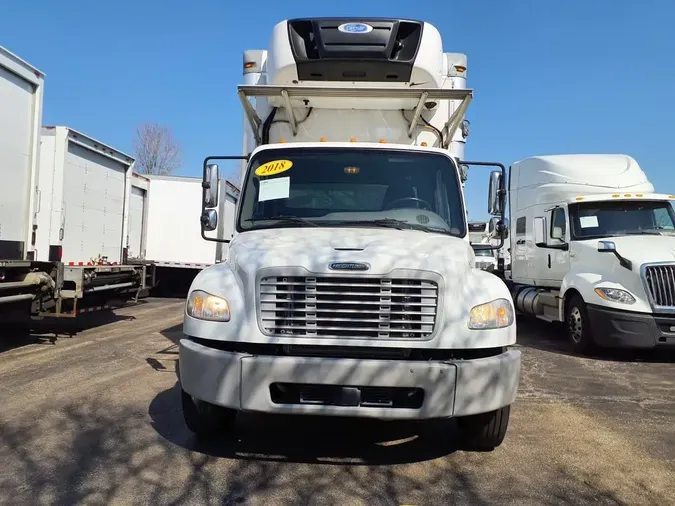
(415,199)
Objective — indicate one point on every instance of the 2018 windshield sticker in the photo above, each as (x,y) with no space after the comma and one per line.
(273,167)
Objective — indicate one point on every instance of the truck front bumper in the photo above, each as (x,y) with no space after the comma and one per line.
(626,329)
(386,389)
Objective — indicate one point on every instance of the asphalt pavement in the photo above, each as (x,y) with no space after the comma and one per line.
(94,417)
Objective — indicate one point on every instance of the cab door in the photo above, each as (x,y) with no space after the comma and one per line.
(557,254)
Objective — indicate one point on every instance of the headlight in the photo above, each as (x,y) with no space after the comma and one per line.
(204,306)
(491,315)
(615,295)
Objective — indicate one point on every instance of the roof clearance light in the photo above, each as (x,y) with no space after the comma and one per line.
(351,170)
(671,196)
(281,141)
(323,139)
(383,141)
(249,64)
(626,194)
(352,139)
(423,144)
(616,195)
(460,68)
(638,194)
(580,198)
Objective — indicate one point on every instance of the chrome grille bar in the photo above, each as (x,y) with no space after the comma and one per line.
(347,307)
(660,283)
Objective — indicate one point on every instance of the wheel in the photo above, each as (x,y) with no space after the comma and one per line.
(205,419)
(485,431)
(577,325)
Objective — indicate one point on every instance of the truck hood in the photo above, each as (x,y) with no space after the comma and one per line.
(461,286)
(316,248)
(641,249)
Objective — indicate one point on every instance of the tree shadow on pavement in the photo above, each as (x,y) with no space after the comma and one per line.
(47,331)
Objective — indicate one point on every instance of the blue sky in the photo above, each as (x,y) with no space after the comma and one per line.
(549,76)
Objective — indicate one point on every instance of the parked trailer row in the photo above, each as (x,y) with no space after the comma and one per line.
(75,232)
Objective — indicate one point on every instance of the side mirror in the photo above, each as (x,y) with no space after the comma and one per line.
(539,225)
(494,201)
(557,233)
(464,172)
(498,227)
(210,185)
(606,246)
(209,220)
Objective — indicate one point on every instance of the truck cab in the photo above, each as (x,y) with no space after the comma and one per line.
(594,246)
(350,286)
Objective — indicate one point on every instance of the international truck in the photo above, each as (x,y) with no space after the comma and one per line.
(350,287)
(164,229)
(593,247)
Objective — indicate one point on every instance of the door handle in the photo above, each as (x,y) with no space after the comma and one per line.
(549,260)
(520,241)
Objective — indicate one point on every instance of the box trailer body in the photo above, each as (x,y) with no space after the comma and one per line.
(84,199)
(164,221)
(21,91)
(350,286)
(82,221)
(593,246)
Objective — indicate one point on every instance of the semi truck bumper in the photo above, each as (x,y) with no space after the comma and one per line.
(385,389)
(626,329)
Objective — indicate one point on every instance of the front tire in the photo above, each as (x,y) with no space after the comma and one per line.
(577,325)
(485,431)
(205,419)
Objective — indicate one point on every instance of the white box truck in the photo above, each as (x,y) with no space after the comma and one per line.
(350,287)
(593,246)
(164,228)
(23,279)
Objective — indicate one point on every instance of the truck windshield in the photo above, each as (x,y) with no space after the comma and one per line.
(592,220)
(309,187)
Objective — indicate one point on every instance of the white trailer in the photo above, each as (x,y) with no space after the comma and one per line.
(164,230)
(350,287)
(593,246)
(170,208)
(23,279)
(82,219)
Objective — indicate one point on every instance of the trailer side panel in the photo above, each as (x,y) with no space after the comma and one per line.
(93,194)
(136,222)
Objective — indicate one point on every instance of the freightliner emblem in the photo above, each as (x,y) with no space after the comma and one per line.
(349,266)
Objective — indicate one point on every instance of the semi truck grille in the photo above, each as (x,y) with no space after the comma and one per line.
(348,307)
(660,280)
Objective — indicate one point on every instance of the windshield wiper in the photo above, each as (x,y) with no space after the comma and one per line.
(284,218)
(389,223)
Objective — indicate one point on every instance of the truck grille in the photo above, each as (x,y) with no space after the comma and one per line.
(660,281)
(348,307)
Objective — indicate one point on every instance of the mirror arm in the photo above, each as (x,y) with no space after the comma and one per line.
(205,184)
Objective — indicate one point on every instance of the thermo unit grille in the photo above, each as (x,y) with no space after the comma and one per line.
(348,307)
(660,281)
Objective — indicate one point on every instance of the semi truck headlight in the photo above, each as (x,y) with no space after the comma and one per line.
(491,315)
(204,306)
(615,295)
